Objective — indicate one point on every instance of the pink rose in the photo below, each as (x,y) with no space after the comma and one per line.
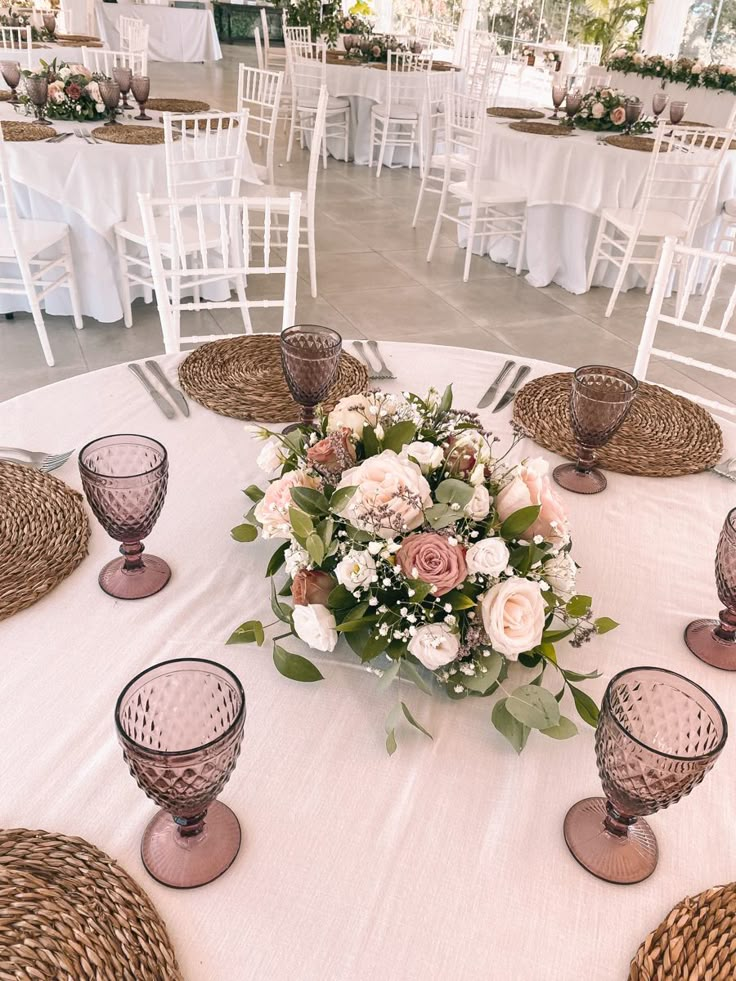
(391,495)
(73,90)
(513,616)
(618,116)
(430,557)
(312,587)
(531,486)
(333,455)
(272,511)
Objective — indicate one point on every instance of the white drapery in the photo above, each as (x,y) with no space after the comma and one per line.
(664,27)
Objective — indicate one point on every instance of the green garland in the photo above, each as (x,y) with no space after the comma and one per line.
(685,71)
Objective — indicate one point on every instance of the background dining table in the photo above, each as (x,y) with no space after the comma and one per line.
(182,34)
(445,861)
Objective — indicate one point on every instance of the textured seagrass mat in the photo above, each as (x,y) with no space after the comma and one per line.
(664,435)
(5,95)
(645,144)
(43,535)
(695,942)
(78,40)
(68,912)
(15,132)
(129,135)
(177,105)
(241,377)
(542,129)
(509,112)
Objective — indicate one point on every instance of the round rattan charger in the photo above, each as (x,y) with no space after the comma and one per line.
(695,942)
(664,435)
(68,912)
(511,112)
(241,377)
(16,132)
(44,532)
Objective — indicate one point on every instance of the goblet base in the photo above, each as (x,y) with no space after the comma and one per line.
(136,583)
(185,863)
(623,859)
(703,641)
(141,115)
(579,481)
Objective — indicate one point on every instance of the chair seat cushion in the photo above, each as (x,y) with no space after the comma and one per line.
(133,231)
(399,110)
(490,192)
(34,236)
(334,102)
(657,224)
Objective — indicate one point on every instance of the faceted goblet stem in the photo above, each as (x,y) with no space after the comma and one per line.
(132,553)
(617,824)
(586,459)
(307,415)
(190,827)
(726,629)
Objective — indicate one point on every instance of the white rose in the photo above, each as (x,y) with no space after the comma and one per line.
(433,645)
(513,615)
(427,455)
(272,511)
(93,91)
(356,570)
(479,504)
(295,559)
(352,412)
(270,458)
(390,497)
(561,573)
(65,72)
(315,625)
(598,110)
(490,556)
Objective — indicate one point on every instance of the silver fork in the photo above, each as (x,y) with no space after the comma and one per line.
(45,462)
(727,468)
(82,135)
(373,372)
(385,370)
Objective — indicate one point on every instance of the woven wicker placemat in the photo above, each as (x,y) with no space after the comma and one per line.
(5,95)
(68,912)
(129,135)
(664,435)
(692,122)
(542,129)
(697,940)
(17,132)
(645,144)
(510,112)
(177,105)
(241,377)
(43,535)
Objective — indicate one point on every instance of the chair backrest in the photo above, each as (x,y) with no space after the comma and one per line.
(465,120)
(424,32)
(308,70)
(589,54)
(480,61)
(596,78)
(209,159)
(315,148)
(103,60)
(133,34)
(708,312)
(19,39)
(498,67)
(216,239)
(259,49)
(404,78)
(259,94)
(300,34)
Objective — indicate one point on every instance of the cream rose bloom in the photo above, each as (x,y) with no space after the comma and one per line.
(479,505)
(355,570)
(428,455)
(270,458)
(433,645)
(272,511)
(561,573)
(315,625)
(390,497)
(530,485)
(352,412)
(513,615)
(598,110)
(489,557)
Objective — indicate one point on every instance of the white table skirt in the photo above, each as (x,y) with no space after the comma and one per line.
(47,53)
(91,188)
(445,862)
(177,33)
(703,105)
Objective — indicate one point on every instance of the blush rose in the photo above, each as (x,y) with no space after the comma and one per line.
(431,558)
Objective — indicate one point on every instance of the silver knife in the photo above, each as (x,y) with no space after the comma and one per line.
(166,408)
(491,393)
(174,394)
(513,388)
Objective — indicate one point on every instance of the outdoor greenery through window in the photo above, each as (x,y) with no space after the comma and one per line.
(710,34)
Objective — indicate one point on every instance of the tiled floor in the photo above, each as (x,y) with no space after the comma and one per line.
(374,281)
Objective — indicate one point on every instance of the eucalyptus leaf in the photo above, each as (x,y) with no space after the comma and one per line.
(441,515)
(446,400)
(482,683)
(250,632)
(412,721)
(350,626)
(370,441)
(399,435)
(254,492)
(310,501)
(533,706)
(517,523)
(389,676)
(516,733)
(277,560)
(453,491)
(341,599)
(341,497)
(281,610)
(244,533)
(316,548)
(421,589)
(554,636)
(301,523)
(392,721)
(587,709)
(295,666)
(604,624)
(391,742)
(565,729)
(458,600)
(411,673)
(578,606)
(576,676)
(325,530)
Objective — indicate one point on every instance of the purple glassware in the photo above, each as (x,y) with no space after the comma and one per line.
(658,735)
(141,88)
(123,76)
(714,641)
(110,92)
(125,478)
(11,74)
(309,356)
(37,90)
(180,724)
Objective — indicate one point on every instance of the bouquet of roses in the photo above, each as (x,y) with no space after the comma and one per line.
(376,47)
(73,91)
(20,17)
(353,23)
(434,560)
(605,109)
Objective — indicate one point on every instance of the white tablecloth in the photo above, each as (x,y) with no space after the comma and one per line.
(90,187)
(177,33)
(445,862)
(569,180)
(46,52)
(703,105)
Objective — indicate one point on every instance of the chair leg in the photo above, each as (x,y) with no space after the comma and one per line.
(40,326)
(471,238)
(625,262)
(420,196)
(347,134)
(596,251)
(440,212)
(124,281)
(312,250)
(292,127)
(72,283)
(244,311)
(382,151)
(522,247)
(373,140)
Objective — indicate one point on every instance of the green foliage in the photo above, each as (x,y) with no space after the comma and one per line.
(610,23)
(295,666)
(244,533)
(321,18)
(250,632)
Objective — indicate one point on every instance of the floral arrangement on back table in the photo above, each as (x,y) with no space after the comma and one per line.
(605,109)
(73,91)
(689,71)
(20,17)
(402,533)
(376,47)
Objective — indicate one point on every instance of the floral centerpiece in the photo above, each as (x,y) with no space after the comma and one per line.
(435,561)
(22,17)
(605,109)
(376,47)
(73,91)
(355,21)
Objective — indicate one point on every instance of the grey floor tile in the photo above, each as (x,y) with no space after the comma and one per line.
(446,266)
(339,273)
(499,302)
(400,310)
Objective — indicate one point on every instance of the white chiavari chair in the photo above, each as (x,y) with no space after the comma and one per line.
(497,210)
(301,35)
(260,60)
(424,33)
(308,71)
(481,60)
(235,239)
(395,122)
(683,166)
(705,313)
(207,160)
(259,94)
(595,77)
(437,84)
(588,54)
(22,243)
(134,35)
(17,39)
(274,58)
(103,60)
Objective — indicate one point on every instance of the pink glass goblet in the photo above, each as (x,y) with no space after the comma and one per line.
(348,42)
(600,399)
(11,74)
(559,92)
(49,23)
(714,641)
(123,76)
(180,724)
(110,92)
(659,103)
(125,478)
(573,102)
(37,90)
(309,356)
(658,735)
(141,88)
(677,112)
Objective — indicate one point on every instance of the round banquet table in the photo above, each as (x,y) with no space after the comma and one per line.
(445,861)
(90,187)
(72,54)
(712,106)
(569,181)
